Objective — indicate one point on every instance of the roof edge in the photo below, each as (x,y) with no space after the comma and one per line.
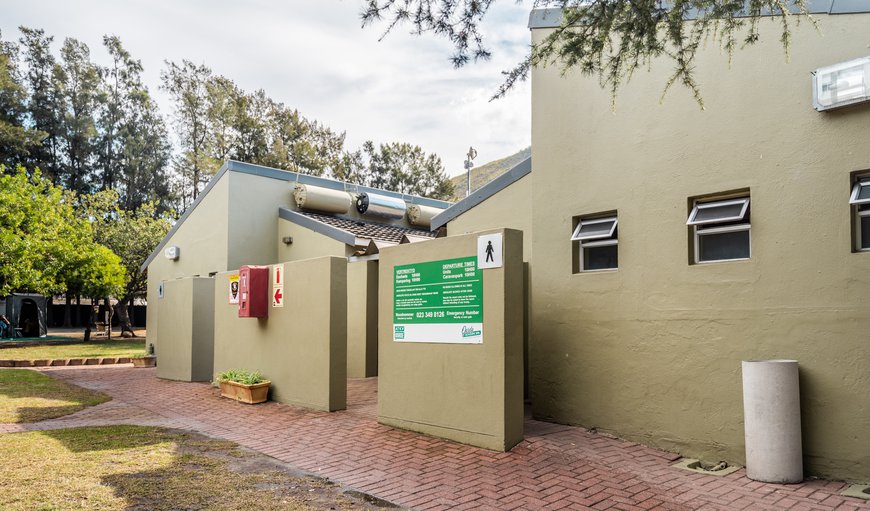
(517,172)
(319,227)
(325,182)
(187,212)
(551,17)
(282,175)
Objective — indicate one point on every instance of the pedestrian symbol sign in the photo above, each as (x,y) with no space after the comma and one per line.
(489,251)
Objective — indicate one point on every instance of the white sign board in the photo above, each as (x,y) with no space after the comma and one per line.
(438,301)
(234,289)
(489,251)
(278,296)
(278,285)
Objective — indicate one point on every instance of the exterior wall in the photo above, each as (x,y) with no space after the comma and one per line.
(510,207)
(203,242)
(362,319)
(468,393)
(300,347)
(185,346)
(306,244)
(253,205)
(652,351)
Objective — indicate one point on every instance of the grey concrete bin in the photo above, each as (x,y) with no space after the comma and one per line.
(772,421)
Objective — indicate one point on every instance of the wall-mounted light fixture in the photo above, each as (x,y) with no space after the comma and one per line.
(843,84)
(172,253)
(288,240)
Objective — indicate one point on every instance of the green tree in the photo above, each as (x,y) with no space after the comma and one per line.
(610,39)
(44,112)
(79,84)
(132,234)
(187,86)
(16,141)
(45,247)
(404,168)
(134,149)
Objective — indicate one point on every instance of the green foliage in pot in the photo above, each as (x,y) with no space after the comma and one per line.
(241,376)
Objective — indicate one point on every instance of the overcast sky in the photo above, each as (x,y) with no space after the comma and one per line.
(312,55)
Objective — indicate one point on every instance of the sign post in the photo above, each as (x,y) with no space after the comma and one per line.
(438,302)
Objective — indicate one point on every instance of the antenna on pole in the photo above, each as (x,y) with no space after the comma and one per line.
(472,154)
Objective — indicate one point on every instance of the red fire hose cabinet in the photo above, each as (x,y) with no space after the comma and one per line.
(254,292)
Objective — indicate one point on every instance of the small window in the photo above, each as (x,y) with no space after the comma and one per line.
(721,230)
(595,244)
(861,192)
(860,201)
(719,212)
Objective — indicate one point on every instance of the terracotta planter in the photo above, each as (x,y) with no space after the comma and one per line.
(251,394)
(144,361)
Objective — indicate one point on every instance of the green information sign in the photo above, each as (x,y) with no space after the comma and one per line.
(438,301)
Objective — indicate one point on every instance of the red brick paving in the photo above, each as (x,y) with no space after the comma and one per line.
(555,467)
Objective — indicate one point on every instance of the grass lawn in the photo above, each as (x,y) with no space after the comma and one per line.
(30,396)
(146,468)
(92,349)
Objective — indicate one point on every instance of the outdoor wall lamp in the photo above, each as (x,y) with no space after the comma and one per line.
(843,84)
(172,253)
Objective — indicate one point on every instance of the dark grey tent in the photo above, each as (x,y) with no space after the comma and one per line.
(27,313)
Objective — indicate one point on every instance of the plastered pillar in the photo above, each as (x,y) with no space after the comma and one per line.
(772,421)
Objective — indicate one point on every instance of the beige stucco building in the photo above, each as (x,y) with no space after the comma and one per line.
(254,215)
(667,243)
(664,244)
(640,323)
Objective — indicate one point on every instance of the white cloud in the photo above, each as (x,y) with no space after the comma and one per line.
(313,55)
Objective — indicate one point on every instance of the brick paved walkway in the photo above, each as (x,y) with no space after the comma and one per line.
(555,467)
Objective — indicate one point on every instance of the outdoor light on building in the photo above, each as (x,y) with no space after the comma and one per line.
(842,84)
(172,253)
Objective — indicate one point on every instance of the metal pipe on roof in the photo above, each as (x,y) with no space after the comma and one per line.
(321,199)
(380,205)
(422,215)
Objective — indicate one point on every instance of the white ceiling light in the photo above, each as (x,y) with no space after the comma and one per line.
(842,84)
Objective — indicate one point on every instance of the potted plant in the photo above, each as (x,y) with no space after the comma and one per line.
(145,359)
(244,386)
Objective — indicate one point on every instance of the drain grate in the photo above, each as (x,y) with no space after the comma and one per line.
(860,491)
(711,469)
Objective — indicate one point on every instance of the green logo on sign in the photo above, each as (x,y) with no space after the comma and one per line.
(469,331)
(399,332)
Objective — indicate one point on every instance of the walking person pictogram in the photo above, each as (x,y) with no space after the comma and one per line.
(489,251)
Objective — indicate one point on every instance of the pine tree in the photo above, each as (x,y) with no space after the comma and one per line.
(610,39)
(78,91)
(134,152)
(187,85)
(16,141)
(44,112)
(404,168)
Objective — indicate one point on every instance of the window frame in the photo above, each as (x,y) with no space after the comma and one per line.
(738,223)
(858,216)
(595,241)
(575,236)
(720,230)
(718,203)
(861,182)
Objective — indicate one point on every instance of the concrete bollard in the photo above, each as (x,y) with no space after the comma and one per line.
(772,421)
